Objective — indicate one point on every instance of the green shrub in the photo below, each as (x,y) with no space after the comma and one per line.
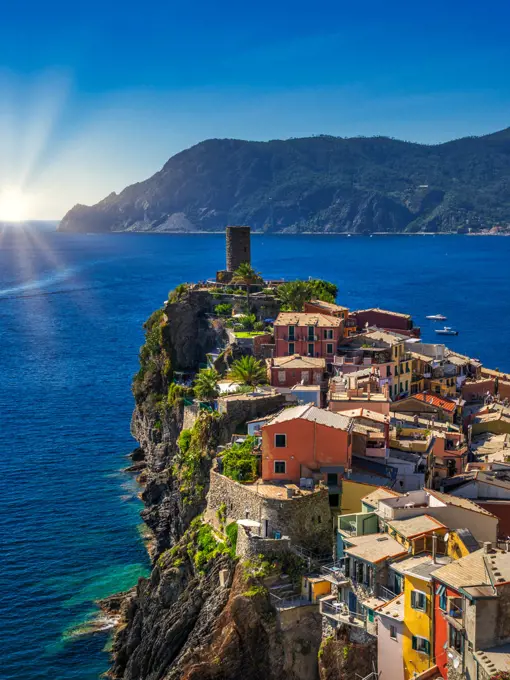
(178,293)
(184,440)
(247,321)
(239,463)
(255,591)
(231,532)
(225,309)
(258,326)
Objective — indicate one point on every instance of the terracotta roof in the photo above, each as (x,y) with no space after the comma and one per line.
(333,307)
(394,609)
(458,502)
(493,659)
(315,415)
(415,526)
(307,319)
(379,494)
(375,547)
(383,311)
(432,399)
(296,361)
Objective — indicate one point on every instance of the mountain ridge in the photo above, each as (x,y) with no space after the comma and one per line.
(320,184)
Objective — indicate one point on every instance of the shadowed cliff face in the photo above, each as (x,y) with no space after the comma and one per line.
(319,184)
(183,624)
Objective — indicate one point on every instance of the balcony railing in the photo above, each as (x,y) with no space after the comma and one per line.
(385,593)
(338,611)
(335,572)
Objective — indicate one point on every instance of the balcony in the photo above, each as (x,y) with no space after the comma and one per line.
(339,612)
(335,573)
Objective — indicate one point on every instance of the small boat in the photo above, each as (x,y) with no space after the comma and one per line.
(436,317)
(446,331)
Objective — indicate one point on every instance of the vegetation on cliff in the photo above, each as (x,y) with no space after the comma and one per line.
(294,294)
(317,184)
(239,462)
(248,371)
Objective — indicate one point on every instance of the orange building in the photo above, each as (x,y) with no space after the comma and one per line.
(307,442)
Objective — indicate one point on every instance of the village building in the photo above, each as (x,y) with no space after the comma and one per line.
(390,638)
(310,335)
(295,369)
(425,404)
(307,445)
(384,319)
(472,627)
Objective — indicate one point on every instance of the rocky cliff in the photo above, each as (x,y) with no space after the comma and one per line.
(318,184)
(202,614)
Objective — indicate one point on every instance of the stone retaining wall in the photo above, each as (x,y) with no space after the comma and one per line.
(249,546)
(306,520)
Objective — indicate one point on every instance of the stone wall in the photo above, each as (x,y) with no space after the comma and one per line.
(306,520)
(238,247)
(243,407)
(249,546)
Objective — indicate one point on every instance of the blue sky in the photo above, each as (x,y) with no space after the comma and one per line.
(97,95)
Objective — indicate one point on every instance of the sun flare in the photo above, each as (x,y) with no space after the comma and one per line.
(13,204)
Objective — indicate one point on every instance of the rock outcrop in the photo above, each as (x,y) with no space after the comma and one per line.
(202,614)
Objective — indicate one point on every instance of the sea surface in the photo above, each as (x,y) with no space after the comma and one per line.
(71,311)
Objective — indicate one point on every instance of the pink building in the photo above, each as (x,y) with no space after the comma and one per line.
(294,370)
(312,335)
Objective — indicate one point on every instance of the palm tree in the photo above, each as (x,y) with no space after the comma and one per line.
(206,384)
(248,371)
(294,294)
(246,275)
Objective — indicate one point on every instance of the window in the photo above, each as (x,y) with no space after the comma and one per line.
(332,478)
(291,332)
(291,348)
(455,639)
(279,467)
(280,441)
(311,332)
(441,591)
(421,644)
(407,385)
(281,376)
(305,377)
(310,349)
(328,334)
(393,632)
(329,348)
(388,371)
(418,600)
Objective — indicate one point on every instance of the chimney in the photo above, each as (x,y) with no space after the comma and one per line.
(487,547)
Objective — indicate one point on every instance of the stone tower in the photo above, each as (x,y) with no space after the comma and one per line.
(238,247)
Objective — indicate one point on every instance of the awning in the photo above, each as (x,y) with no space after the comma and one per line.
(248,523)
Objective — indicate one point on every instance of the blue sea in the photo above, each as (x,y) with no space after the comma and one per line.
(71,311)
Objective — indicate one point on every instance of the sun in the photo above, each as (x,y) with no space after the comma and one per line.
(13,204)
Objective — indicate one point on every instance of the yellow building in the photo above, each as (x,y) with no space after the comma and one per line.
(444,387)
(418,633)
(352,494)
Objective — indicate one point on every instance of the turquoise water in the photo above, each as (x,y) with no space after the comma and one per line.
(71,309)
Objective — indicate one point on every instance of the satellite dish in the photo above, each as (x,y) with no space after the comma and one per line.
(446,537)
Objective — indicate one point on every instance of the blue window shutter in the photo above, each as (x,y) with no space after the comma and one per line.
(414,643)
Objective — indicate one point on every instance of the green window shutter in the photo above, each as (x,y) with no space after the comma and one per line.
(370,616)
(415,646)
(427,647)
(413,601)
